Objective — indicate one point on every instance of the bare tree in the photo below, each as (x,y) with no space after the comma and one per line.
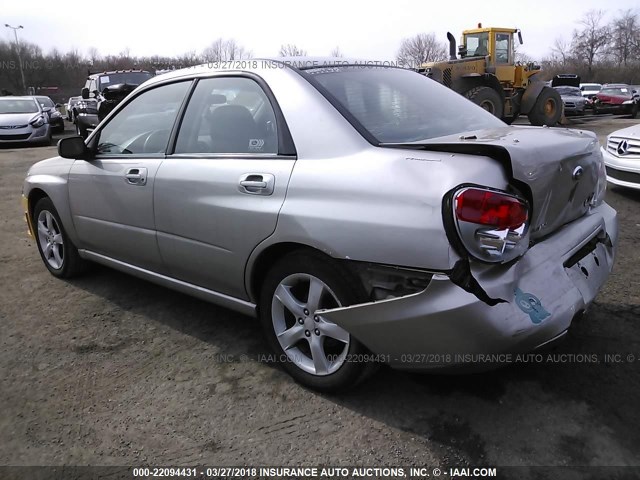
(561,50)
(222,50)
(291,50)
(519,55)
(336,52)
(422,48)
(94,55)
(625,37)
(590,42)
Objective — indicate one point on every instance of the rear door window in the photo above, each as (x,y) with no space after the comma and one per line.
(228,115)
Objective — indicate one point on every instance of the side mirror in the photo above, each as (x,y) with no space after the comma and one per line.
(46,109)
(72,147)
(58,105)
(85,93)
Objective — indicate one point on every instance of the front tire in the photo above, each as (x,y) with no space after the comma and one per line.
(57,251)
(314,351)
(547,109)
(487,98)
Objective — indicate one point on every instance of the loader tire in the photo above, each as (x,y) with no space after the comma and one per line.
(548,108)
(487,98)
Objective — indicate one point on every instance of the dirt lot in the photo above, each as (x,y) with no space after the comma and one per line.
(111,370)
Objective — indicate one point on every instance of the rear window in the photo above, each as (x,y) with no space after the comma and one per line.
(575,91)
(398,106)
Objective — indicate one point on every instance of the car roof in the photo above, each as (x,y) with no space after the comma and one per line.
(261,63)
(111,72)
(19,97)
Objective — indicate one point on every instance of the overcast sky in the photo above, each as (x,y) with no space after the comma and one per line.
(366,29)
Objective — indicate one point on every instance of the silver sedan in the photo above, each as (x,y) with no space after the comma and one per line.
(22,120)
(364,213)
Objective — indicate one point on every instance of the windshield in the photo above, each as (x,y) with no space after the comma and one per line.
(45,101)
(132,78)
(622,92)
(18,106)
(569,91)
(399,106)
(477,44)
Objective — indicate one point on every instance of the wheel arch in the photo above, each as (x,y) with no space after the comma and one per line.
(261,261)
(53,187)
(35,195)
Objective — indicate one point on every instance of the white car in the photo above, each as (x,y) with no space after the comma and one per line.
(590,89)
(622,157)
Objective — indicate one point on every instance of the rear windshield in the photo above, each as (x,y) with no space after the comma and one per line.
(397,106)
(575,91)
(132,78)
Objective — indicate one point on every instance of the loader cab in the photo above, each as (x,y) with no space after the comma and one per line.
(496,43)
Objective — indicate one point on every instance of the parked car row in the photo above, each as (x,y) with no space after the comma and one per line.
(614,98)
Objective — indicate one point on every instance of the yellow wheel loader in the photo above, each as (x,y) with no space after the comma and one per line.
(487,74)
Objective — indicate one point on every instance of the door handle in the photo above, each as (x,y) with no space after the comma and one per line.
(136,176)
(256,183)
(253,184)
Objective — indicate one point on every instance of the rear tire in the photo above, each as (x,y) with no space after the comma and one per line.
(487,98)
(57,251)
(548,108)
(314,351)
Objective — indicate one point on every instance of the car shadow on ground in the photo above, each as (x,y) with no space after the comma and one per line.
(629,193)
(576,409)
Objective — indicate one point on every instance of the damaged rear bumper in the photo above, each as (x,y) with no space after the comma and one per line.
(446,327)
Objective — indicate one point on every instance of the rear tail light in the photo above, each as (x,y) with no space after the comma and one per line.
(493,225)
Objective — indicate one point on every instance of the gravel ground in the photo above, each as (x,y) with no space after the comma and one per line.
(110,370)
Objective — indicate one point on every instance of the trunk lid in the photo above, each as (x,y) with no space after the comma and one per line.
(559,168)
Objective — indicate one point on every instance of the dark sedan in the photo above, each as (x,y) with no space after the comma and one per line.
(618,99)
(56,120)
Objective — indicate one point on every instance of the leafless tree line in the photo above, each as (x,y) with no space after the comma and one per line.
(68,70)
(597,50)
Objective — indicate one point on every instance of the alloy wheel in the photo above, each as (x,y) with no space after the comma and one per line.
(50,239)
(312,343)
